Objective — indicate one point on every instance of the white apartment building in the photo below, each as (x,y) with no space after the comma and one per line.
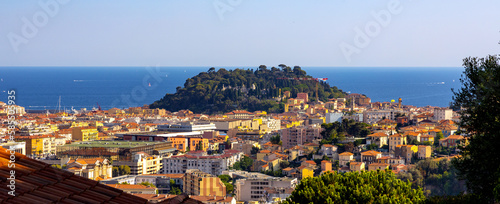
(333,117)
(19,147)
(143,163)
(187,127)
(443,114)
(374,116)
(212,164)
(271,124)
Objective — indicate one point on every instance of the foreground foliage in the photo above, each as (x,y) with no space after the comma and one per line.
(354,187)
(479,98)
(436,178)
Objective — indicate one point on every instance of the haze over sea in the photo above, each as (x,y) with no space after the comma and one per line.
(39,88)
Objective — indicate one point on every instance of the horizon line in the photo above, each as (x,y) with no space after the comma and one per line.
(238,66)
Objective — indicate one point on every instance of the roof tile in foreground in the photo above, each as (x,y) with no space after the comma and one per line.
(37,182)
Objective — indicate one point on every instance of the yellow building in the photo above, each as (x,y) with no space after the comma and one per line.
(79,124)
(424,151)
(143,163)
(40,144)
(195,142)
(96,124)
(95,168)
(85,133)
(197,182)
(306,171)
(357,166)
(294,124)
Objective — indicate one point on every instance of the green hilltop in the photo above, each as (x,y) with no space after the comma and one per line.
(226,90)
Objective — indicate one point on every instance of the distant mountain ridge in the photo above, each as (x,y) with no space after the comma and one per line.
(226,90)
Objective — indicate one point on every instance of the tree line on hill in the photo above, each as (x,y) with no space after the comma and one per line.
(226,90)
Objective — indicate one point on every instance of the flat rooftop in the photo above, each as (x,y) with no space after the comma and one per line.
(164,133)
(115,144)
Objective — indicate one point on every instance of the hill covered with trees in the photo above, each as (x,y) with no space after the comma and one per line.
(226,90)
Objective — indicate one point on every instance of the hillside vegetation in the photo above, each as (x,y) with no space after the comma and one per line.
(226,90)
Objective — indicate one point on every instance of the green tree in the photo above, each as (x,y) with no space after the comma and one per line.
(175,191)
(355,187)
(145,183)
(123,170)
(275,139)
(244,164)
(439,135)
(372,146)
(479,98)
(284,164)
(254,150)
(226,179)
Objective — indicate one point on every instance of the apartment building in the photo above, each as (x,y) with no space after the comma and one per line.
(373,116)
(212,164)
(143,163)
(395,140)
(299,135)
(161,181)
(370,156)
(84,133)
(40,144)
(443,114)
(253,188)
(197,182)
(187,127)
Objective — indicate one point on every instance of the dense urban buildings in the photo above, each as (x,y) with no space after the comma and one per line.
(257,156)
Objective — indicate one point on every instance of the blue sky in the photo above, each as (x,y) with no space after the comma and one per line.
(247,33)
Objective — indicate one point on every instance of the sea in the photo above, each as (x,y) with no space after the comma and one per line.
(67,88)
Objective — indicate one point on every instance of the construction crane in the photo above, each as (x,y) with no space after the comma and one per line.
(98,106)
(307,79)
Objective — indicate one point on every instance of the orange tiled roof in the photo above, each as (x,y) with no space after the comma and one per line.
(370,153)
(378,134)
(456,137)
(37,182)
(346,154)
(310,162)
(378,164)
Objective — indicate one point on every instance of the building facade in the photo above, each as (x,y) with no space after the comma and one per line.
(212,164)
(197,182)
(253,188)
(299,135)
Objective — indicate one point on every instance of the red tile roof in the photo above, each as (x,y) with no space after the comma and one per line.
(37,182)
